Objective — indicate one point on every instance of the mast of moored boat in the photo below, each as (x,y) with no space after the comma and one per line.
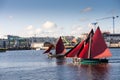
(89,50)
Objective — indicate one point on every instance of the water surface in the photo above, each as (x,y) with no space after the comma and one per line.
(33,65)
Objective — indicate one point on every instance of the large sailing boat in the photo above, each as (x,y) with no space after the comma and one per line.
(91,50)
(60,49)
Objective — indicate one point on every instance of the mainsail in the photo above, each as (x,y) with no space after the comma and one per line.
(99,48)
(60,48)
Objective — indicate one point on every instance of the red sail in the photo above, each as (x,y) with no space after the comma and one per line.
(60,48)
(99,48)
(84,53)
(74,51)
(49,49)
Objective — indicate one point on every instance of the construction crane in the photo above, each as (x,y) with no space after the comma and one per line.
(113,17)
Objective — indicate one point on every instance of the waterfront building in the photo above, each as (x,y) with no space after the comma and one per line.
(113,40)
(40,42)
(3,43)
(36,45)
(16,42)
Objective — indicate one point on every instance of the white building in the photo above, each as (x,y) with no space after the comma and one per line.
(113,40)
(37,45)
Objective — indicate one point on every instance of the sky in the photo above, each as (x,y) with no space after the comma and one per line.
(54,18)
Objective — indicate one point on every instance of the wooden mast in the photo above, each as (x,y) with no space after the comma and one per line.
(89,50)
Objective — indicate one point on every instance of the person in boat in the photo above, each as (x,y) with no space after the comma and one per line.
(75,60)
(50,55)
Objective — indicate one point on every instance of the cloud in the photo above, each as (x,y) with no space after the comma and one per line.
(50,29)
(28,31)
(37,31)
(10,17)
(30,27)
(1,28)
(49,25)
(88,9)
(76,30)
(51,32)
(47,29)
(92,25)
(117,30)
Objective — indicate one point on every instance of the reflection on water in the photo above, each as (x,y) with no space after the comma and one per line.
(90,72)
(95,72)
(60,61)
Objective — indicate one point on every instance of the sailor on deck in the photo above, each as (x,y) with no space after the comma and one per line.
(50,55)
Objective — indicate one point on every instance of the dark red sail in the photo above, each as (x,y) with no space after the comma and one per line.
(84,52)
(49,49)
(60,48)
(74,51)
(99,48)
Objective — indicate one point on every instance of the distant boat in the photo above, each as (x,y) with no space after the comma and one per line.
(2,49)
(60,49)
(38,48)
(91,50)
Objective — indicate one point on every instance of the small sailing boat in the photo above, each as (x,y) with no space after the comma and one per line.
(60,49)
(91,50)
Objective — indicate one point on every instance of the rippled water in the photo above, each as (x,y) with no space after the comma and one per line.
(33,65)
